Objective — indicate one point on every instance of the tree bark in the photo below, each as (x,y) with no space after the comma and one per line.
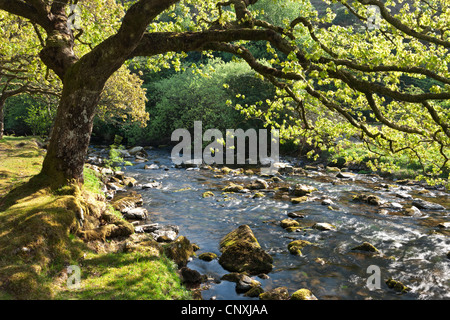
(2,118)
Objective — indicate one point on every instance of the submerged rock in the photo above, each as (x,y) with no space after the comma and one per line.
(207,194)
(241,252)
(303,294)
(413,212)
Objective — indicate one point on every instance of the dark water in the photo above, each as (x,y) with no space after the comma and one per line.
(413,248)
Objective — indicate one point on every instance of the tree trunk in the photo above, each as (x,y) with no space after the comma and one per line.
(2,118)
(64,162)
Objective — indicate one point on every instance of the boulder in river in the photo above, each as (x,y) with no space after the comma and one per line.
(397,286)
(241,252)
(233,187)
(426,205)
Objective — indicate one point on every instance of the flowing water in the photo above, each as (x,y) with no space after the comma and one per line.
(413,249)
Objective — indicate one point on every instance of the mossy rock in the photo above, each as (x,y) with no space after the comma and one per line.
(254,292)
(366,246)
(241,252)
(207,256)
(299,199)
(296,246)
(179,251)
(303,189)
(232,187)
(280,293)
(258,195)
(208,194)
(397,286)
(287,223)
(303,294)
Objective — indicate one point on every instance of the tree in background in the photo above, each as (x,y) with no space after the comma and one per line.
(327,74)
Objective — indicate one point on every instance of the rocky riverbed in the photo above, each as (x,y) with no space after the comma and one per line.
(311,232)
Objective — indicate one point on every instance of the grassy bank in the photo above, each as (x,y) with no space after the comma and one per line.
(38,241)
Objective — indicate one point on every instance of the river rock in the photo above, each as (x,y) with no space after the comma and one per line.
(180,251)
(413,212)
(345,175)
(190,276)
(138,213)
(151,167)
(258,184)
(280,293)
(370,199)
(366,246)
(152,185)
(207,194)
(303,294)
(246,283)
(323,226)
(137,150)
(207,256)
(295,214)
(444,225)
(295,247)
(233,187)
(299,199)
(124,201)
(302,190)
(241,252)
(286,223)
(426,205)
(397,286)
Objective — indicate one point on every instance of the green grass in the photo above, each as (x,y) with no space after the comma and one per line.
(37,242)
(127,276)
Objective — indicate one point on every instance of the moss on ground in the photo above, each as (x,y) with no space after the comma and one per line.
(39,239)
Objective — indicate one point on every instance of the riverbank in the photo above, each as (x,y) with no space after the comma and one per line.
(45,235)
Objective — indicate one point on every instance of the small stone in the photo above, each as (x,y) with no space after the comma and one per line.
(258,195)
(345,175)
(254,292)
(258,184)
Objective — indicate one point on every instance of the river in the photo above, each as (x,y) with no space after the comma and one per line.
(413,248)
